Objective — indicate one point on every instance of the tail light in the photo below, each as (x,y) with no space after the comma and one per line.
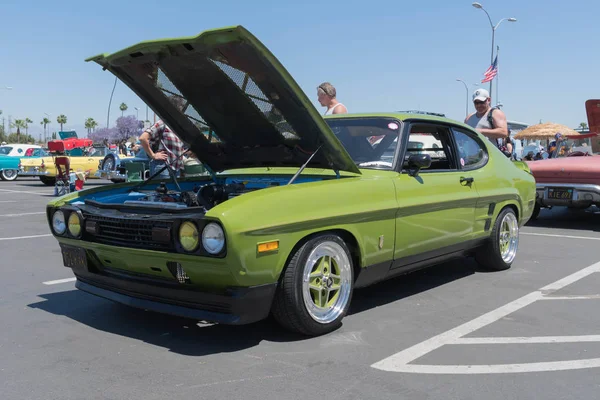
(43,165)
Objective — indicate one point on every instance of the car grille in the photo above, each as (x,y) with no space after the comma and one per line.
(127,232)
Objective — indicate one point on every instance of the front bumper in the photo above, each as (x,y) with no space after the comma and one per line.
(231,306)
(575,194)
(104,174)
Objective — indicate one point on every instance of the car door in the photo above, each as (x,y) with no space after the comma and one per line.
(436,207)
(473,157)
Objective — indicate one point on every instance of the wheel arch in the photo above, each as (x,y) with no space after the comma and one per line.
(349,239)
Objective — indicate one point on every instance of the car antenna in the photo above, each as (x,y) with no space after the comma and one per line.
(303,166)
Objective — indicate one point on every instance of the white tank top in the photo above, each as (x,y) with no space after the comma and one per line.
(476,122)
(330,110)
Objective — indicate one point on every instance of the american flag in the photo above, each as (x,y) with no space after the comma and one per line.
(491,72)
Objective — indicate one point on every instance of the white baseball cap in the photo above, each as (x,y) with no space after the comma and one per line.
(481,95)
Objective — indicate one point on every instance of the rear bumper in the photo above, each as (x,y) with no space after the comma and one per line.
(22,172)
(578,195)
(231,306)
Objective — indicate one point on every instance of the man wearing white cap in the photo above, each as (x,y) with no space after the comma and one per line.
(490,122)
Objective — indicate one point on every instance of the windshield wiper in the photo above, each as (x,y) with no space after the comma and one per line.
(303,166)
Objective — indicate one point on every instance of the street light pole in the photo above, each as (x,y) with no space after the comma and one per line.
(494,27)
(137,113)
(467,103)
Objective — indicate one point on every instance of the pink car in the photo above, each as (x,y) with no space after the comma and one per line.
(566,181)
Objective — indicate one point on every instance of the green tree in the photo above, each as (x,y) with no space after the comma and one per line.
(45,122)
(61,119)
(90,124)
(583,126)
(123,107)
(19,124)
(27,122)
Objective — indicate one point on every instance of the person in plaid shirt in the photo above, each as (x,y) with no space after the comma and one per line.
(162,145)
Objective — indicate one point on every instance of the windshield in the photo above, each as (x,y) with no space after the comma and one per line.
(371,142)
(5,150)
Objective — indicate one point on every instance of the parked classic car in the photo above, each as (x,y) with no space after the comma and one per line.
(566,181)
(113,166)
(295,213)
(9,168)
(82,160)
(17,150)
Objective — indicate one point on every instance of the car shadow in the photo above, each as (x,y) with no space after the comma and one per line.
(188,337)
(411,284)
(565,218)
(178,335)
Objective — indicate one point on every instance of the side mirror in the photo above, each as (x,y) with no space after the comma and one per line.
(416,162)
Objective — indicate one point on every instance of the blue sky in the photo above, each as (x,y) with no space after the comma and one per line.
(380,55)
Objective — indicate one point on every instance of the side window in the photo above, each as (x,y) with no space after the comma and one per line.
(471,152)
(434,141)
(19,150)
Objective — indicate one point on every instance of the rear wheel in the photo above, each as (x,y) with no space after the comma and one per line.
(9,174)
(316,287)
(48,181)
(501,249)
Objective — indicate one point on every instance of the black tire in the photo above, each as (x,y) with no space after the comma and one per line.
(9,174)
(490,256)
(48,181)
(289,308)
(117,180)
(536,212)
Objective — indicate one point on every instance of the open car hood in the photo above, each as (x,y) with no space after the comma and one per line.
(241,108)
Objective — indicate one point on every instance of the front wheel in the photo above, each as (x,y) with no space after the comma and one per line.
(501,249)
(9,174)
(316,287)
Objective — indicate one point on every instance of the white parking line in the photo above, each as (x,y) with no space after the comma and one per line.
(573,297)
(399,362)
(22,214)
(56,282)
(535,339)
(21,191)
(559,236)
(26,237)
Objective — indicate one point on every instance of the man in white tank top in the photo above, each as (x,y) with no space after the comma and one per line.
(326,95)
(479,119)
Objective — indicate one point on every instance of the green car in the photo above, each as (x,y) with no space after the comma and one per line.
(297,210)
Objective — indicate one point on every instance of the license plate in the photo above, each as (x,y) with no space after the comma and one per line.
(74,257)
(560,193)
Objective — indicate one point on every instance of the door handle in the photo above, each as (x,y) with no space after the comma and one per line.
(467,181)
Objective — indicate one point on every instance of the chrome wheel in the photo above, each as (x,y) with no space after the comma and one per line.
(9,174)
(509,237)
(326,283)
(109,164)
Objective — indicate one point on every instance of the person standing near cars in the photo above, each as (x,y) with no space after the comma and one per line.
(162,146)
(326,94)
(490,122)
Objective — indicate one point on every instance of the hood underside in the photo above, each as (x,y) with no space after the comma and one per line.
(230,100)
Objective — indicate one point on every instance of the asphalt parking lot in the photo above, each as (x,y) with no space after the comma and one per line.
(449,332)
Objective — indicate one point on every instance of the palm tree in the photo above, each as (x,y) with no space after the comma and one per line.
(19,123)
(90,124)
(123,107)
(61,119)
(45,122)
(27,122)
(583,126)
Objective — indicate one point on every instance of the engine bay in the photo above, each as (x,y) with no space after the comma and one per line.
(199,195)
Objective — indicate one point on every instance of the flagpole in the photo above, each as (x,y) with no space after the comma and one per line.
(497,72)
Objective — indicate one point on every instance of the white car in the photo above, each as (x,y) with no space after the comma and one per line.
(17,150)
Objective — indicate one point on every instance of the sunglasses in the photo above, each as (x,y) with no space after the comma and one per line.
(477,103)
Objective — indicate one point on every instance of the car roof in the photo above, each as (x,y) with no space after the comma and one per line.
(400,116)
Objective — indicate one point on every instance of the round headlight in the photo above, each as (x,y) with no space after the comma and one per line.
(213,238)
(58,222)
(188,236)
(74,224)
